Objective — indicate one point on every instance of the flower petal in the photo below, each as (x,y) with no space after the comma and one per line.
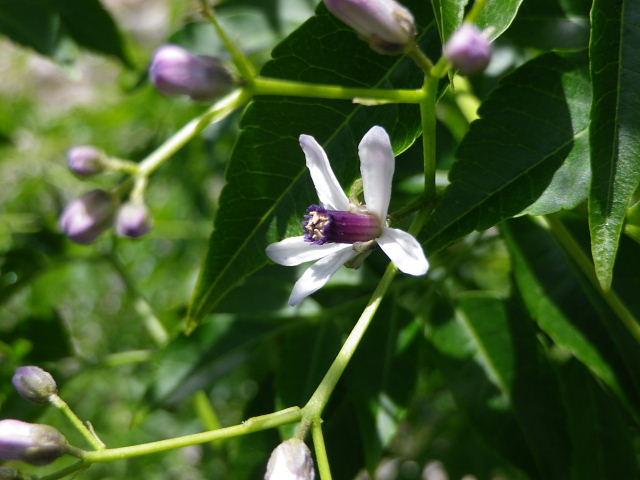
(403,250)
(295,250)
(330,192)
(376,165)
(318,274)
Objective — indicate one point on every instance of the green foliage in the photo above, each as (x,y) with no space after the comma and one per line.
(514,357)
(615,120)
(46,26)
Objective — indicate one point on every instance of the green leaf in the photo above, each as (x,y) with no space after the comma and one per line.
(615,126)
(42,25)
(268,187)
(32,23)
(567,309)
(526,154)
(448,14)
(547,25)
(380,396)
(492,362)
(498,14)
(596,424)
(92,27)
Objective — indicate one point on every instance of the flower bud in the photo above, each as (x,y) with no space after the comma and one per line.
(175,71)
(385,25)
(88,216)
(468,49)
(30,442)
(133,220)
(85,160)
(291,460)
(34,384)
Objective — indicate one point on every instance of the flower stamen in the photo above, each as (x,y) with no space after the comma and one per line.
(337,226)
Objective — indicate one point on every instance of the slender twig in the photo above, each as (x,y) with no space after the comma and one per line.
(321,451)
(244,66)
(276,86)
(255,424)
(89,436)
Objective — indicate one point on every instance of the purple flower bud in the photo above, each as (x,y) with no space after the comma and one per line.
(291,460)
(85,160)
(34,384)
(87,217)
(30,442)
(175,71)
(385,25)
(133,220)
(468,49)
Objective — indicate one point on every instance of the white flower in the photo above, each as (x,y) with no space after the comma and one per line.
(336,229)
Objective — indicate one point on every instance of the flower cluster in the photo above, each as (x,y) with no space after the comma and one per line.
(337,231)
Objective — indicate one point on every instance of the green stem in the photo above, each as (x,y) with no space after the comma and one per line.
(120,165)
(244,66)
(216,112)
(321,451)
(581,259)
(314,407)
(89,436)
(276,86)
(421,59)
(428,118)
(255,424)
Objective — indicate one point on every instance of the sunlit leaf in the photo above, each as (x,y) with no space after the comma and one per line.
(526,154)
(615,126)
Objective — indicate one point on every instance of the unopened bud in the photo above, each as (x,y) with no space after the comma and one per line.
(291,460)
(468,49)
(85,160)
(385,25)
(30,442)
(86,217)
(133,220)
(34,384)
(175,71)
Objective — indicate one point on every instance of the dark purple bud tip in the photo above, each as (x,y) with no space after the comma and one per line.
(387,26)
(290,460)
(468,49)
(87,217)
(30,442)
(175,71)
(133,220)
(34,384)
(85,160)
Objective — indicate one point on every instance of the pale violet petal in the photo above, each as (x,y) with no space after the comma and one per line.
(376,165)
(295,250)
(403,250)
(330,192)
(318,274)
